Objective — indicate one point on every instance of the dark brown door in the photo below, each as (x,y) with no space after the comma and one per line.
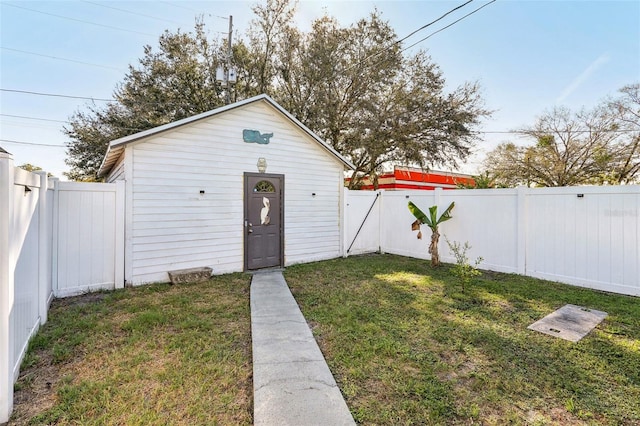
(263,220)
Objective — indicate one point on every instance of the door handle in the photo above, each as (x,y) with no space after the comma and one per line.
(249,226)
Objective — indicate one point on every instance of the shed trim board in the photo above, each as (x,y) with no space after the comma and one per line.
(185,191)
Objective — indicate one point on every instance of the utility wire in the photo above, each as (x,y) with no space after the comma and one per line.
(65,122)
(425,38)
(32,143)
(194,10)
(506,132)
(61,59)
(28,92)
(451,24)
(407,36)
(433,22)
(33,118)
(131,12)
(180,6)
(79,20)
(55,95)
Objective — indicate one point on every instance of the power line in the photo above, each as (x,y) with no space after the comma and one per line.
(32,143)
(524,133)
(55,95)
(131,12)
(406,37)
(180,6)
(433,22)
(68,122)
(193,10)
(504,132)
(33,118)
(427,37)
(28,92)
(79,20)
(451,24)
(61,59)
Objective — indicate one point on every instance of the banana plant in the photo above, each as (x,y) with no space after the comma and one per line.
(432,221)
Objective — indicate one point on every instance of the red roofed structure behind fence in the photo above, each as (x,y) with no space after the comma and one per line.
(414,178)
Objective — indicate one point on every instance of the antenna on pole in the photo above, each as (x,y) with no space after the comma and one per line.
(226,76)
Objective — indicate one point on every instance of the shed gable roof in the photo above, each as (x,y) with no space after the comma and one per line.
(116,147)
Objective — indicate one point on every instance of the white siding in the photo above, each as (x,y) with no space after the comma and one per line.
(174,226)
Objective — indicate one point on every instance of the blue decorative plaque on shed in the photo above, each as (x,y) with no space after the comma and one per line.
(254,136)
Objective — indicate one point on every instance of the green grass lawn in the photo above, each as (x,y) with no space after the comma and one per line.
(404,343)
(406,346)
(152,355)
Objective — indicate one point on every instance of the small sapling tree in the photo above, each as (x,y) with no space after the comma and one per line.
(464,270)
(432,221)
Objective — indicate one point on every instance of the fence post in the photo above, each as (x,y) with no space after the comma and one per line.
(381,221)
(436,202)
(345,213)
(43,248)
(54,236)
(7,270)
(521,243)
(436,196)
(119,241)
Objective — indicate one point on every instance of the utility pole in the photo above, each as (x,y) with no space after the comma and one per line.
(229,56)
(225,74)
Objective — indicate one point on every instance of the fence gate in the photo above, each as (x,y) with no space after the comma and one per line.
(88,237)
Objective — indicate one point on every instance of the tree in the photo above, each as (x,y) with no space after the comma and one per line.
(432,221)
(482,181)
(625,154)
(355,89)
(174,82)
(31,168)
(350,85)
(588,147)
(266,42)
(569,149)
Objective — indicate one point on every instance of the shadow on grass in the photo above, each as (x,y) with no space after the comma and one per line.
(156,354)
(405,345)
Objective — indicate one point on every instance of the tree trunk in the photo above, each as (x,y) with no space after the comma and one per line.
(433,247)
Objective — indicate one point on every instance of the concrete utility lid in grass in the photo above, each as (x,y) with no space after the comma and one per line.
(570,322)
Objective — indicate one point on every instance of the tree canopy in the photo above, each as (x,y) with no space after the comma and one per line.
(173,82)
(353,86)
(598,146)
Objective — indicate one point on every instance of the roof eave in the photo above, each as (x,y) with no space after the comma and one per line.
(112,154)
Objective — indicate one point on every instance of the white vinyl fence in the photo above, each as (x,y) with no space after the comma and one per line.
(585,236)
(56,239)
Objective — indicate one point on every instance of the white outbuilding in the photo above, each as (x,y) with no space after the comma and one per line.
(242,187)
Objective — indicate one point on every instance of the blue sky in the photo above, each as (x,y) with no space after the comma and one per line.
(527,55)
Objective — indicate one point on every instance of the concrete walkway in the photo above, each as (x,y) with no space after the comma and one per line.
(292,384)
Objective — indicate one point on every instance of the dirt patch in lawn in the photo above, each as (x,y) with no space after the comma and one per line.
(36,391)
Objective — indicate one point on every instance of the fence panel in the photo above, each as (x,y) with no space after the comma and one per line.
(585,236)
(488,221)
(357,205)
(397,237)
(87,263)
(25,317)
(63,240)
(21,198)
